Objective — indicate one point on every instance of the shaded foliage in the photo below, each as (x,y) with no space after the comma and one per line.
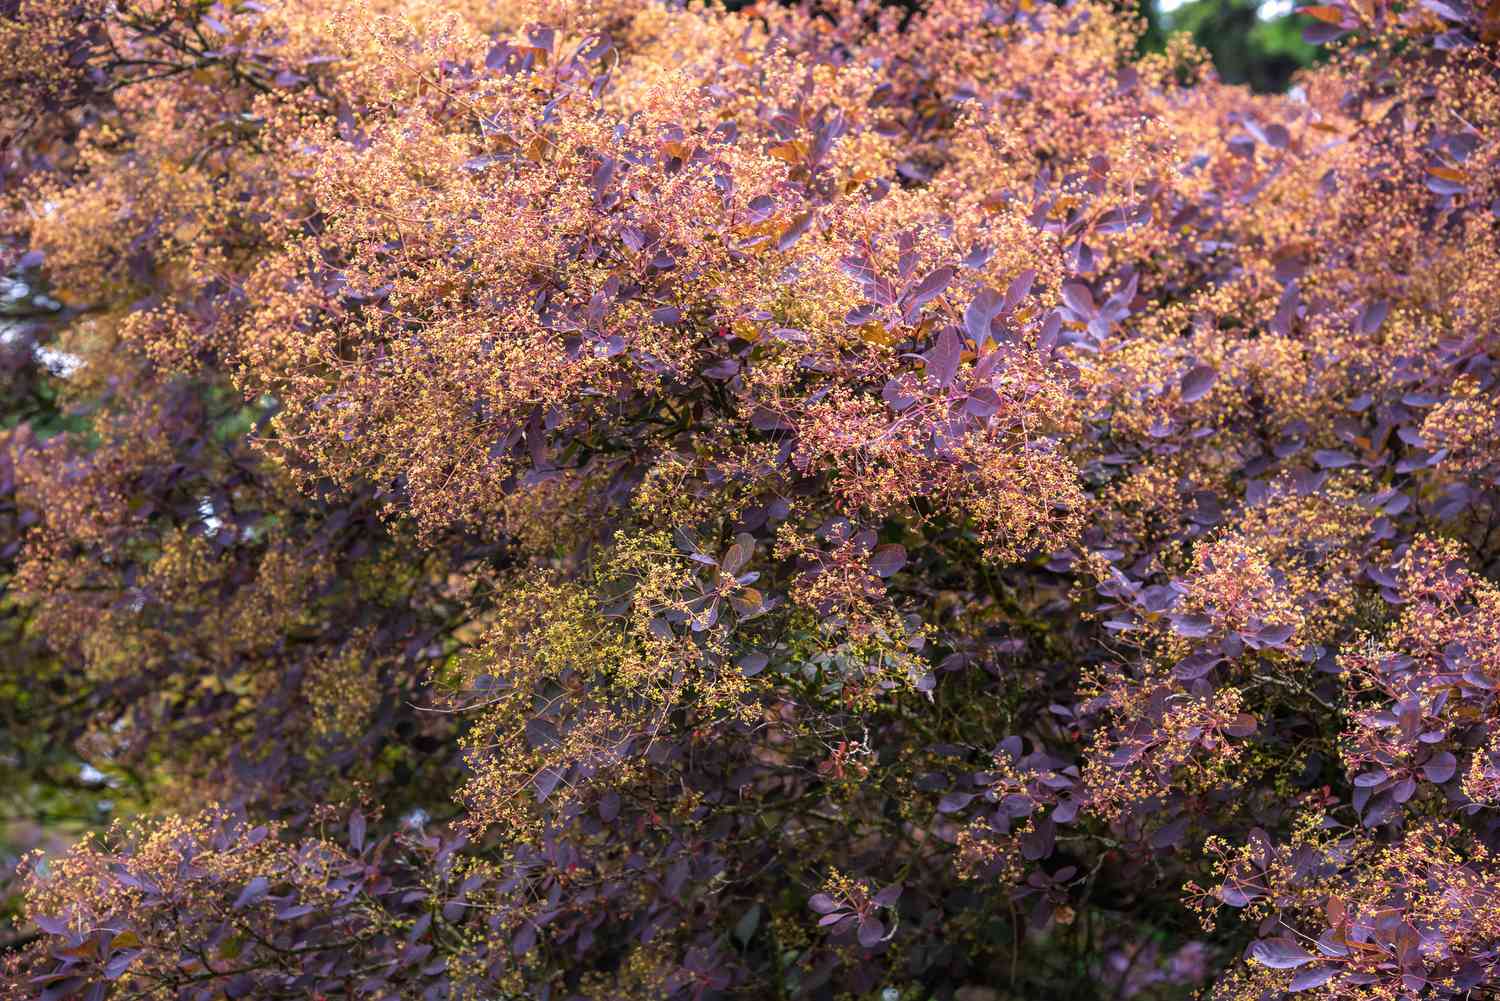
(622,499)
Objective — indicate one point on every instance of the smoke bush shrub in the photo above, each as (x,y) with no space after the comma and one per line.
(607,498)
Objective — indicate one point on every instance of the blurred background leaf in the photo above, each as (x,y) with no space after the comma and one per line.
(1255,42)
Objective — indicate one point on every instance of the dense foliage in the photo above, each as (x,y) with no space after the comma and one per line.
(608,499)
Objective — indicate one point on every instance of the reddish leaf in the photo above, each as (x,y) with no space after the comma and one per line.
(887,560)
(944,358)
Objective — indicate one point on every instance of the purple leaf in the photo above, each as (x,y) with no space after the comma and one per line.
(1373,315)
(253,891)
(1192,626)
(954,801)
(1019,288)
(51,925)
(1445,12)
(1039,843)
(602,175)
(871,932)
(1286,310)
(1171,834)
(981,313)
(983,403)
(1440,767)
(545,782)
(1079,299)
(1234,896)
(1380,807)
(723,369)
(63,990)
(1333,458)
(1444,186)
(357,830)
(794,232)
(1194,666)
(1117,307)
(1197,382)
(977,257)
(931,287)
(1048,336)
(822,903)
(1275,636)
(120,962)
(895,393)
(1280,953)
(738,554)
(1243,725)
(1315,977)
(752,664)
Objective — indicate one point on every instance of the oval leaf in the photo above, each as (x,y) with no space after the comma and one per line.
(1198,381)
(1280,953)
